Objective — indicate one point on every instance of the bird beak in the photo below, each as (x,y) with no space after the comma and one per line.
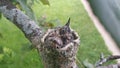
(68,23)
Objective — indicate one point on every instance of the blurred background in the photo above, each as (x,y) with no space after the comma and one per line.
(108,12)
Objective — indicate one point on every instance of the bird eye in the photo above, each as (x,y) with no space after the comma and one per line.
(62,31)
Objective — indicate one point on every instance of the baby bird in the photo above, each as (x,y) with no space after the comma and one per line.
(61,36)
(66,33)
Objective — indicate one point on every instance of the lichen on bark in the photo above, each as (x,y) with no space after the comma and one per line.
(31,30)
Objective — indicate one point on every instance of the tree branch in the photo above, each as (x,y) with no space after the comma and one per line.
(110,66)
(31,30)
(104,60)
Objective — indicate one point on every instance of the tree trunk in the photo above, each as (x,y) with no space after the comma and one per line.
(57,47)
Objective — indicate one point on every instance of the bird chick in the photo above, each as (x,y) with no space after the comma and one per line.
(66,33)
(60,36)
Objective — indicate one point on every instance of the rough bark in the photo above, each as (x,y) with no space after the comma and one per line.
(57,47)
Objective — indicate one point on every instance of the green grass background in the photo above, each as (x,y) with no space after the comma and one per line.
(91,44)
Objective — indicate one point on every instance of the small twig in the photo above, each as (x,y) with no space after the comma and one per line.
(104,60)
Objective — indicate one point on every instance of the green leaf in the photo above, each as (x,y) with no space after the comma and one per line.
(18,6)
(28,10)
(45,2)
